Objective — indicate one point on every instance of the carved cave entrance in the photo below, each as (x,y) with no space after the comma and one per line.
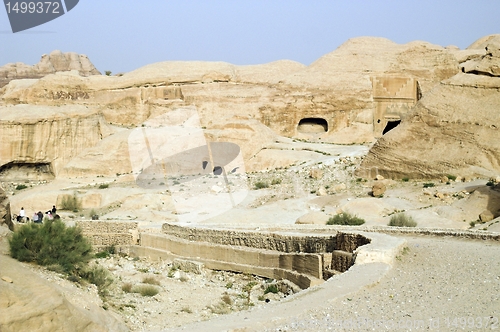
(26,171)
(312,125)
(391,125)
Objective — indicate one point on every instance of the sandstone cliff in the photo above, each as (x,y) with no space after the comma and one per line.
(49,64)
(452,130)
(45,138)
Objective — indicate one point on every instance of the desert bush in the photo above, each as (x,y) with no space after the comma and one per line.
(108,251)
(402,220)
(150,281)
(51,243)
(127,287)
(275,182)
(70,203)
(227,299)
(490,183)
(103,186)
(451,177)
(405,179)
(98,276)
(271,289)
(261,185)
(345,219)
(21,187)
(146,290)
(428,184)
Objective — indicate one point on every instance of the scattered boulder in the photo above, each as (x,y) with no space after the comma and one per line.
(316,174)
(321,191)
(378,189)
(379,177)
(486,216)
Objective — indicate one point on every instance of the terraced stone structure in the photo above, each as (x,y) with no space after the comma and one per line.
(305,260)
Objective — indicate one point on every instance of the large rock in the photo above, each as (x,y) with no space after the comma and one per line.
(32,303)
(49,64)
(452,130)
(5,216)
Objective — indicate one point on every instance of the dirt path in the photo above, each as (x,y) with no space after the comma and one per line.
(439,284)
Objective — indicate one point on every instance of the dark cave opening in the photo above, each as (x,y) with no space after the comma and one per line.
(313,125)
(391,125)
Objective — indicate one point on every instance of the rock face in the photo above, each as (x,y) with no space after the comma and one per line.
(347,96)
(5,216)
(49,64)
(31,303)
(454,128)
(40,140)
(332,99)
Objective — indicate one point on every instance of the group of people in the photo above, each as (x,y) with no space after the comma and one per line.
(37,216)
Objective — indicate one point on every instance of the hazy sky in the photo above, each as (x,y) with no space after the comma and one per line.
(122,35)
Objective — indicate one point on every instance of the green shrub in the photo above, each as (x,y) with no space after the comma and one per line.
(21,187)
(345,219)
(490,183)
(405,179)
(98,276)
(271,289)
(451,177)
(428,185)
(402,220)
(103,186)
(261,185)
(70,203)
(275,182)
(51,243)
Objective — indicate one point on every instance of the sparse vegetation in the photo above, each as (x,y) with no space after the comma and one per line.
(70,203)
(21,187)
(273,288)
(103,186)
(275,182)
(151,281)
(428,184)
(146,290)
(107,72)
(405,179)
(261,185)
(345,219)
(100,277)
(489,184)
(451,177)
(402,220)
(127,287)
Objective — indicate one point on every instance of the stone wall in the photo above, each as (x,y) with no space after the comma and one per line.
(110,233)
(258,240)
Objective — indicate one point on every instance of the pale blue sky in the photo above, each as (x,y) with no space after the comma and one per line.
(122,35)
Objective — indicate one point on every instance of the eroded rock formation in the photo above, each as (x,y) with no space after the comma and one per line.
(42,139)
(453,129)
(49,64)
